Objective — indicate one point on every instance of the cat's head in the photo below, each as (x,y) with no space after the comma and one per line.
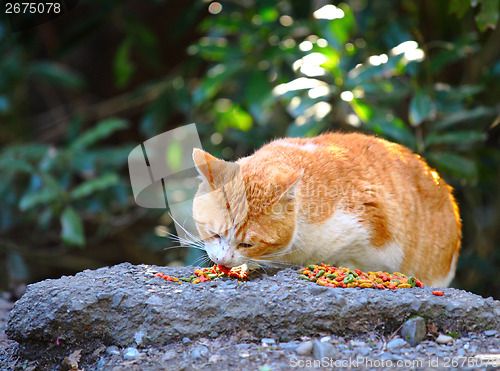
(244,212)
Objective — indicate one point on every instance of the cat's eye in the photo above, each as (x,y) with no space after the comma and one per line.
(242,244)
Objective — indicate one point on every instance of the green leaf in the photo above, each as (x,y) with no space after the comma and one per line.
(94,185)
(422,107)
(361,109)
(51,191)
(101,131)
(455,164)
(394,129)
(215,79)
(488,14)
(72,228)
(123,66)
(461,116)
(337,31)
(457,137)
(269,14)
(256,93)
(230,115)
(57,74)
(11,164)
(459,7)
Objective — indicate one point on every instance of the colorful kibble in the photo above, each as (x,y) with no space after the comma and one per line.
(325,275)
(207,274)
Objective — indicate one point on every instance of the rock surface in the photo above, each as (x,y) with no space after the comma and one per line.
(126,305)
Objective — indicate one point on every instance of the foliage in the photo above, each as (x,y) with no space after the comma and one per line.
(429,79)
(51,183)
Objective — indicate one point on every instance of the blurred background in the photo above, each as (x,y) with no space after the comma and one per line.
(77,93)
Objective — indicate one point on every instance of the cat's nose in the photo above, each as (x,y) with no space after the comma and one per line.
(223,261)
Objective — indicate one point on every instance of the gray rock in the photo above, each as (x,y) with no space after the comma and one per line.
(131,353)
(168,355)
(199,352)
(186,341)
(289,345)
(242,346)
(414,330)
(396,343)
(460,352)
(490,332)
(444,339)
(357,343)
(116,307)
(305,348)
(364,350)
(268,341)
(113,350)
(322,350)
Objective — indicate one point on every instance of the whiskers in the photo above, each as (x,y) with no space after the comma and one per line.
(189,240)
(275,259)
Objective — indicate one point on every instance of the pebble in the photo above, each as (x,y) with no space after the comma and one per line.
(242,346)
(323,350)
(325,339)
(268,341)
(199,352)
(131,353)
(186,341)
(396,343)
(168,355)
(364,350)
(290,345)
(304,349)
(113,350)
(444,339)
(357,343)
(490,332)
(460,352)
(414,330)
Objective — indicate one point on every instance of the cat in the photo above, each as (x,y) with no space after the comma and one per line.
(349,200)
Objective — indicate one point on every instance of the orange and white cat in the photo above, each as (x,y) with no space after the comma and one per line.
(342,199)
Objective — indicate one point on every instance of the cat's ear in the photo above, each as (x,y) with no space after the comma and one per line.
(215,171)
(290,185)
(202,161)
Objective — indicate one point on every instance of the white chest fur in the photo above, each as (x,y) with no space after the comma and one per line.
(342,240)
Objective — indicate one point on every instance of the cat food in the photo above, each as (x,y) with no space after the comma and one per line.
(207,274)
(325,275)
(216,271)
(438,293)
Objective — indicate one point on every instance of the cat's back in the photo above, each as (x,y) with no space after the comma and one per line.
(403,204)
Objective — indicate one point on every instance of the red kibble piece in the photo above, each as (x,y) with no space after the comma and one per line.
(392,287)
(380,286)
(223,269)
(167,278)
(204,278)
(438,293)
(159,274)
(418,283)
(384,277)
